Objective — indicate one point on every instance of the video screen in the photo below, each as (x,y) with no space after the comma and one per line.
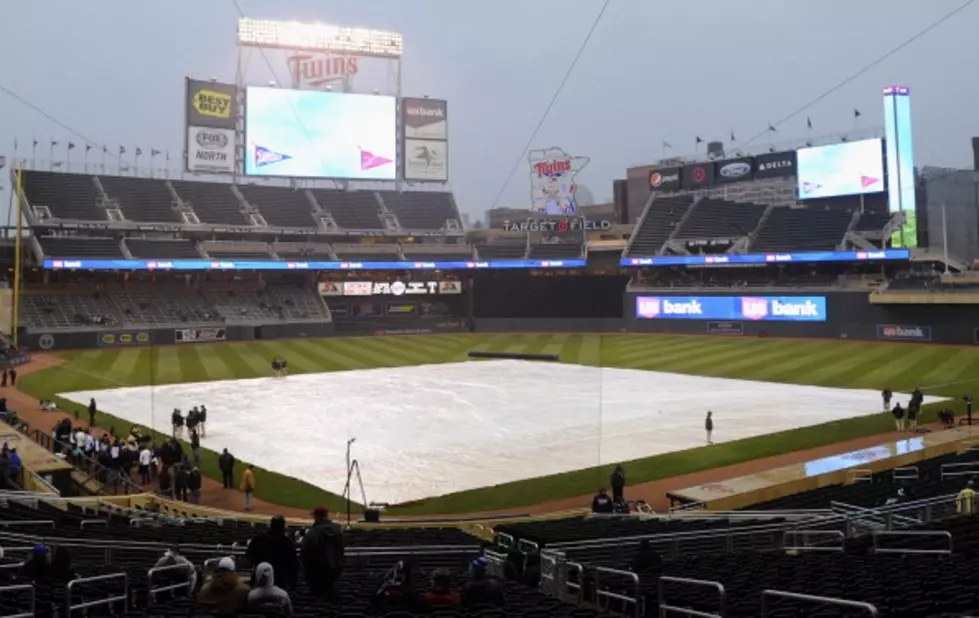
(760,308)
(309,134)
(849,168)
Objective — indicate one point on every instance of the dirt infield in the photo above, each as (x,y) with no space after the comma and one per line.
(654,492)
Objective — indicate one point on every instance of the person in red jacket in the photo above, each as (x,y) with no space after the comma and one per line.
(441,594)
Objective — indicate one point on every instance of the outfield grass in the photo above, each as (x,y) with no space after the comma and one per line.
(938,370)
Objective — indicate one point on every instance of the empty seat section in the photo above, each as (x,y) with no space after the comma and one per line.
(80,247)
(713,218)
(422,210)
(67,196)
(47,311)
(378,252)
(162,249)
(352,210)
(142,199)
(802,229)
(212,202)
(503,250)
(661,218)
(873,222)
(164,308)
(280,206)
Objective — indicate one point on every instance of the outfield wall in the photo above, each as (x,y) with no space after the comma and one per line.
(849,315)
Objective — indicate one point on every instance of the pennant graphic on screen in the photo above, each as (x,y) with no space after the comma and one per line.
(868,181)
(369,160)
(809,187)
(264,156)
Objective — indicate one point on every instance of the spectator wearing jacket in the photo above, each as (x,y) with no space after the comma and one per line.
(965,502)
(322,555)
(188,574)
(276,548)
(265,596)
(441,593)
(224,594)
(898,413)
(482,589)
(194,481)
(248,486)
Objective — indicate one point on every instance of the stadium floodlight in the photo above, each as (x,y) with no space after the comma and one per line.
(320,37)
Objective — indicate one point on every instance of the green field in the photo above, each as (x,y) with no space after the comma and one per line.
(938,370)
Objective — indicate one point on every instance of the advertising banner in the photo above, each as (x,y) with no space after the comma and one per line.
(898,332)
(755,308)
(699,176)
(199,335)
(210,150)
(310,134)
(552,180)
(210,104)
(667,179)
(124,338)
(848,168)
(392,288)
(735,170)
(725,328)
(425,119)
(330,288)
(426,160)
(775,164)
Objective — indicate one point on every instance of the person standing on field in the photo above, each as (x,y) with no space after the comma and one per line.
(248,486)
(617,481)
(709,426)
(898,413)
(886,395)
(91,412)
(226,463)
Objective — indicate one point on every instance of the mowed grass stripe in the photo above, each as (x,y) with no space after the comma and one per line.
(404,352)
(328,356)
(948,369)
(670,361)
(916,364)
(353,349)
(659,357)
(791,368)
(853,359)
(899,359)
(216,368)
(764,359)
(233,360)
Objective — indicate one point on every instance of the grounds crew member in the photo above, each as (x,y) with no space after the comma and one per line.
(898,413)
(617,481)
(226,463)
(886,395)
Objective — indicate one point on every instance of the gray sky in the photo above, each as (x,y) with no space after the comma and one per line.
(113,70)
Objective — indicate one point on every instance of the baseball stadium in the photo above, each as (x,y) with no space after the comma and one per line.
(284,375)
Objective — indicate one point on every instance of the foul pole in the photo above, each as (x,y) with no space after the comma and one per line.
(19,197)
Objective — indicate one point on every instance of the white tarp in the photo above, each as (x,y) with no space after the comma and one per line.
(435,429)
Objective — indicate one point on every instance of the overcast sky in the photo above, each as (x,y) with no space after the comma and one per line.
(113,71)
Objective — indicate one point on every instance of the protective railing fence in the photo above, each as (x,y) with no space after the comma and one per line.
(110,480)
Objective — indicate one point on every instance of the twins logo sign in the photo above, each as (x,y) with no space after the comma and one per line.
(754,308)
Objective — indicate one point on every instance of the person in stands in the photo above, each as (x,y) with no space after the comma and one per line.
(898,413)
(275,547)
(617,481)
(482,588)
(187,574)
(224,594)
(441,593)
(396,592)
(265,596)
(35,569)
(226,463)
(601,503)
(646,558)
(322,555)
(965,502)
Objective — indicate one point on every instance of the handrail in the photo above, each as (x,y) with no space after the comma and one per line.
(15,588)
(911,533)
(152,592)
(93,522)
(599,593)
(665,608)
(805,534)
(522,543)
(106,601)
(810,598)
(505,540)
(579,585)
(27,522)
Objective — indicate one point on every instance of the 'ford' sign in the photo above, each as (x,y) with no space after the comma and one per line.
(735,170)
(898,332)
